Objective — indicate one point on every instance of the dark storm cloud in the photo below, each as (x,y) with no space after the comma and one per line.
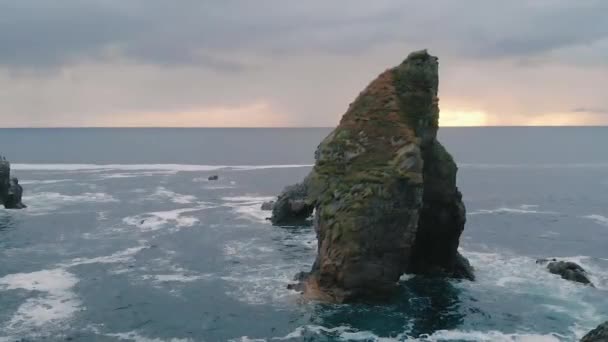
(223,35)
(197,62)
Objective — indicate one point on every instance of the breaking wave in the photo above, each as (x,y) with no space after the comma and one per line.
(156,220)
(599,219)
(52,300)
(249,207)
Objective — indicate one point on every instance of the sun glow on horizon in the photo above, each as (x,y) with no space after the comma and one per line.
(459,118)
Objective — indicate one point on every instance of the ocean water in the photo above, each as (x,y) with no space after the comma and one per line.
(126,240)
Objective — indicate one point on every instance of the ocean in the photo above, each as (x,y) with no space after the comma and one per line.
(125,239)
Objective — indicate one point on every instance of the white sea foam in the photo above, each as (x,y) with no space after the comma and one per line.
(55,197)
(162,271)
(52,302)
(121,256)
(219,187)
(214,185)
(599,219)
(346,333)
(245,249)
(164,193)
(43,182)
(102,215)
(529,206)
(136,337)
(248,199)
(174,278)
(521,210)
(261,284)
(249,207)
(157,220)
(40,203)
(146,167)
(136,174)
(525,274)
(489,336)
(264,278)
(520,275)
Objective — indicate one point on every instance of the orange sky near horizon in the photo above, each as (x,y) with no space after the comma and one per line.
(262,114)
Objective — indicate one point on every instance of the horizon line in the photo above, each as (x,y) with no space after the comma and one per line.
(277,127)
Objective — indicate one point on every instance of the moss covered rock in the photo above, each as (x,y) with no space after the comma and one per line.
(385,191)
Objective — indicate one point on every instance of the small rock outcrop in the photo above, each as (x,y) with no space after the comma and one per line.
(599,334)
(5,180)
(267,206)
(293,205)
(384,191)
(10,190)
(15,193)
(567,270)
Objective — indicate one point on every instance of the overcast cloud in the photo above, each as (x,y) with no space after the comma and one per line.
(295,63)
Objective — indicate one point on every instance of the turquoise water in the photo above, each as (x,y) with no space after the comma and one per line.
(126,240)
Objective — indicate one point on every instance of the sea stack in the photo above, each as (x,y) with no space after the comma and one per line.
(10,190)
(384,191)
(5,179)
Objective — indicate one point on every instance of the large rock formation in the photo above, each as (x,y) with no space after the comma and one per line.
(384,190)
(10,190)
(599,334)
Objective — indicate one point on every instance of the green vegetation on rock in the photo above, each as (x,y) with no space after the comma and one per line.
(385,190)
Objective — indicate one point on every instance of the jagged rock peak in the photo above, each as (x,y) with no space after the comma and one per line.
(384,190)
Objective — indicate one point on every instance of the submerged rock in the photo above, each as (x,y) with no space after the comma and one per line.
(384,190)
(10,190)
(599,334)
(567,270)
(292,206)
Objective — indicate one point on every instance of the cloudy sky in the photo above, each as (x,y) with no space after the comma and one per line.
(295,63)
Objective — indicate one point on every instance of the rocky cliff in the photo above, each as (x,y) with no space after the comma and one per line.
(384,191)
